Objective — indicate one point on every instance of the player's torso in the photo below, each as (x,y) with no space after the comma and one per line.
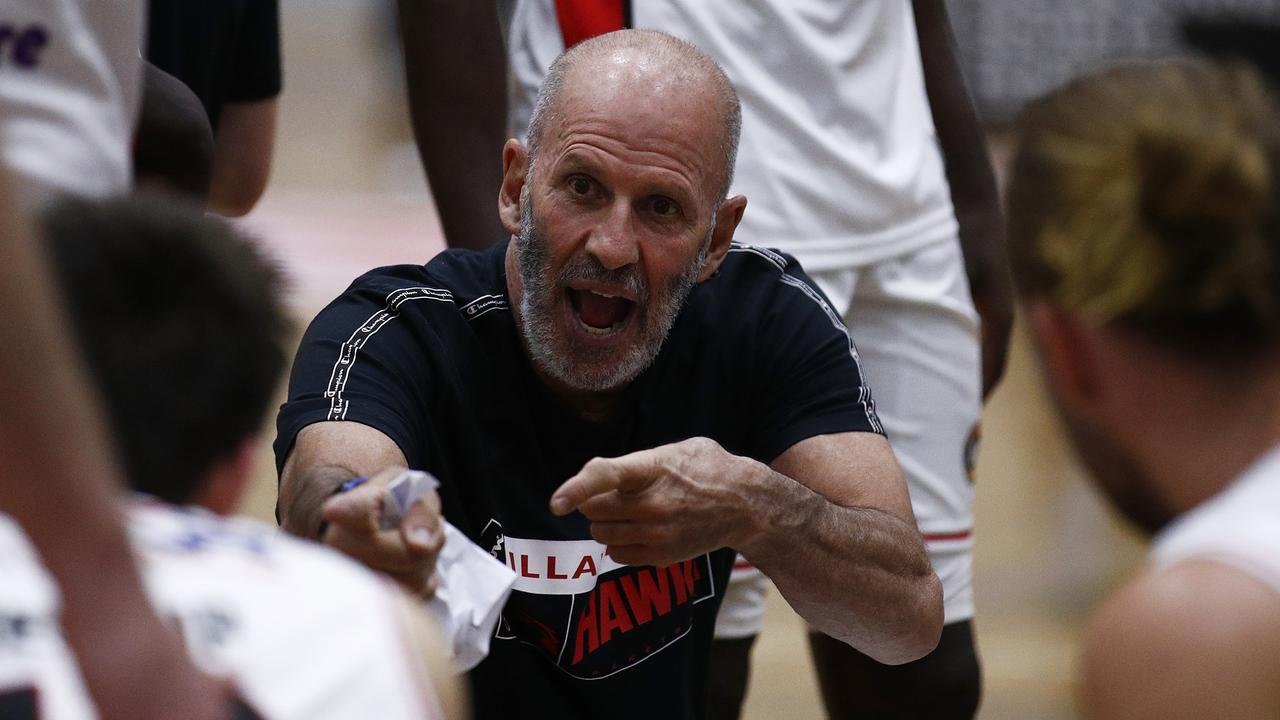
(299,631)
(70,82)
(38,675)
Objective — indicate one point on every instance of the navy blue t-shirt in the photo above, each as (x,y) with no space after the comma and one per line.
(430,355)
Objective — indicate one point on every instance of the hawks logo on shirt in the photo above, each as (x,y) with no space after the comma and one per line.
(592,616)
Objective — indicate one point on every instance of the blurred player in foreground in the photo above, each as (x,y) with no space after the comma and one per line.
(1145,234)
(183,329)
(59,484)
(69,75)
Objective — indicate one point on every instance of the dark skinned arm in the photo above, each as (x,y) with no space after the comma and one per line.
(973,186)
(456,68)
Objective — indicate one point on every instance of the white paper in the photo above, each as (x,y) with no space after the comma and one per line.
(472,585)
(473,588)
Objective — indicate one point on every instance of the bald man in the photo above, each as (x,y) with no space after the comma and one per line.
(620,321)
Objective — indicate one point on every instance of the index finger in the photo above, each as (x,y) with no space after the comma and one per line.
(628,473)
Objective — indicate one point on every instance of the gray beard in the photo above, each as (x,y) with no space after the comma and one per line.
(548,343)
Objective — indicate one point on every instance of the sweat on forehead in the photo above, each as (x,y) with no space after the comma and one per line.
(629,62)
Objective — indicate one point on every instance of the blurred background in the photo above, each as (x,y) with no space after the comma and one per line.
(347,194)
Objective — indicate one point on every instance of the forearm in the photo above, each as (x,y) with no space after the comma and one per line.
(962,141)
(974,192)
(857,574)
(456,69)
(303,494)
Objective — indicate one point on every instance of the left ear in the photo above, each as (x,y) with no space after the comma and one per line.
(728,215)
(1067,355)
(515,165)
(225,486)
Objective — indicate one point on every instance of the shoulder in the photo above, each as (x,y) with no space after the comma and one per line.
(251,600)
(1195,639)
(460,282)
(761,293)
(182,544)
(753,275)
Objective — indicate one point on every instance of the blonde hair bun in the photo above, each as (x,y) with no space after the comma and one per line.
(1148,194)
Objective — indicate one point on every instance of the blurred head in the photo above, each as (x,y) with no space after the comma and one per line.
(173,145)
(618,203)
(181,322)
(1143,211)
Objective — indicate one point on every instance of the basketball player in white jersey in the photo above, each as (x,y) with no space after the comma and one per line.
(1145,236)
(70,80)
(843,163)
(183,327)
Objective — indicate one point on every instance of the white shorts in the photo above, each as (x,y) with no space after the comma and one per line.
(917,334)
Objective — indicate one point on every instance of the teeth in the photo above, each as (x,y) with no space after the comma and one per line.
(599,331)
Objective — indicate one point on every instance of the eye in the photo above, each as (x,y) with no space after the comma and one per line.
(664,207)
(580,185)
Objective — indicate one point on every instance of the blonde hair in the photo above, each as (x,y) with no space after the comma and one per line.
(1147,196)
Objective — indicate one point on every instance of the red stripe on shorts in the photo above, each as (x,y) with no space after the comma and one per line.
(582,19)
(742,565)
(946,537)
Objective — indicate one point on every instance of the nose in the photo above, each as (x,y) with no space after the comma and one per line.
(612,242)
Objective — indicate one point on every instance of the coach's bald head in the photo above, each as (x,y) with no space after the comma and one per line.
(622,187)
(643,73)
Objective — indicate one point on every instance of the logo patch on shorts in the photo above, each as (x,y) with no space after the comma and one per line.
(971,453)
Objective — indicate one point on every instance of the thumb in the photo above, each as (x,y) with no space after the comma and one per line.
(422,528)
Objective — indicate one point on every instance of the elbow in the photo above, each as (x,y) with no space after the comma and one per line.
(919,627)
(236,197)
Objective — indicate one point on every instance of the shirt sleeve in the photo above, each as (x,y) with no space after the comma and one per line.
(365,358)
(257,74)
(808,375)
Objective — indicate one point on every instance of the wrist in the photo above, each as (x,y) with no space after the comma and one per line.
(768,508)
(344,487)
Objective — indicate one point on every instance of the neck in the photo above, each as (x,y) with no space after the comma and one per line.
(1194,433)
(590,405)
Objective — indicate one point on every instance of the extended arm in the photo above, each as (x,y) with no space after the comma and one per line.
(830,523)
(456,68)
(973,186)
(324,456)
(328,454)
(841,546)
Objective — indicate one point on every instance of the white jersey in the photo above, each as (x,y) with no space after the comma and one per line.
(300,631)
(70,83)
(839,159)
(1238,527)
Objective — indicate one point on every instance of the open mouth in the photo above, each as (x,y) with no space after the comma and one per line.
(598,311)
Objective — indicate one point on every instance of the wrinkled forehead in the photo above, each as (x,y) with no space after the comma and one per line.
(649,104)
